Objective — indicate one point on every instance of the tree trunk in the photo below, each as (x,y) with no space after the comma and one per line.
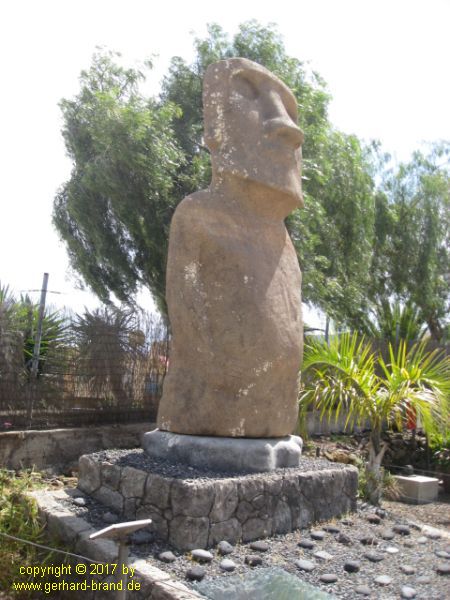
(435,328)
(374,471)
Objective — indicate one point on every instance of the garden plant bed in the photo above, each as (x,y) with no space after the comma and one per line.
(410,559)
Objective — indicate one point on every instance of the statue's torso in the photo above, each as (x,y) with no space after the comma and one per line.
(233,292)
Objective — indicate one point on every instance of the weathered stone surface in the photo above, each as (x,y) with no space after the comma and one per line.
(282,522)
(225,501)
(256,528)
(191,498)
(188,533)
(110,498)
(159,524)
(132,482)
(237,330)
(230,530)
(110,475)
(224,453)
(157,490)
(89,474)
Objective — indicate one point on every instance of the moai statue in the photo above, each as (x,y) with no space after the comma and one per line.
(233,279)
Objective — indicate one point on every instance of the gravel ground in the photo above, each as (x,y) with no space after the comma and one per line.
(140,460)
(408,559)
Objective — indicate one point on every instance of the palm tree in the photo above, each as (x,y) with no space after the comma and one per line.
(347,375)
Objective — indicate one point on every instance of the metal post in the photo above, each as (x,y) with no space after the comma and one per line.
(123,562)
(37,348)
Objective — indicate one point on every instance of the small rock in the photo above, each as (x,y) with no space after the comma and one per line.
(323,555)
(402,529)
(224,548)
(343,538)
(308,544)
(317,535)
(422,540)
(347,522)
(80,501)
(423,580)
(305,565)
(110,518)
(253,560)
(364,590)
(331,529)
(381,512)
(383,580)
(408,543)
(391,550)
(227,565)
(259,546)
(373,556)
(374,519)
(387,534)
(443,569)
(408,592)
(328,578)
(442,554)
(195,573)
(352,566)
(201,555)
(167,557)
(432,534)
(407,569)
(369,540)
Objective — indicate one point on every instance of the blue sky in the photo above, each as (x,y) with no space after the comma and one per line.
(385,62)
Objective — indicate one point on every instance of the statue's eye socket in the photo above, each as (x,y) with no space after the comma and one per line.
(243,87)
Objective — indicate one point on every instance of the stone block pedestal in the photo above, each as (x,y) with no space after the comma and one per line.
(200,512)
(417,489)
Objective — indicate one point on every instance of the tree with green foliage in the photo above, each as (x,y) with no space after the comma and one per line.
(411,255)
(346,376)
(135,158)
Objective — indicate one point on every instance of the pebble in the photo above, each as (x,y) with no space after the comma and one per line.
(343,538)
(328,578)
(305,565)
(387,534)
(352,566)
(373,556)
(381,512)
(443,569)
(224,548)
(408,544)
(423,580)
(253,560)
(402,529)
(422,540)
(408,592)
(323,555)
(308,544)
(442,554)
(227,565)
(407,569)
(259,546)
(201,555)
(347,522)
(80,501)
(331,529)
(433,535)
(110,518)
(369,540)
(391,550)
(167,557)
(317,535)
(383,580)
(374,519)
(195,573)
(364,590)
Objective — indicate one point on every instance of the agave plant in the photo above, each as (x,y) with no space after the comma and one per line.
(346,375)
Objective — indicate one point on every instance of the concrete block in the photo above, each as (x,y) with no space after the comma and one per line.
(417,489)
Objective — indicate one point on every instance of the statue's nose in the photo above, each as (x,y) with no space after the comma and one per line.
(278,122)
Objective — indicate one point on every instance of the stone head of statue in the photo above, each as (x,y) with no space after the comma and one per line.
(251,127)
